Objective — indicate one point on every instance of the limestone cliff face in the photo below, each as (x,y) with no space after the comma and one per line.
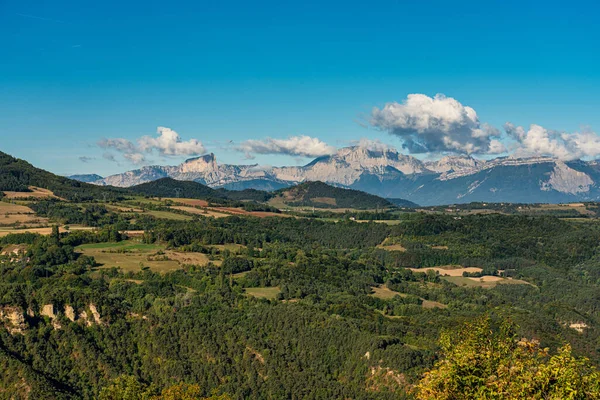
(567,180)
(387,173)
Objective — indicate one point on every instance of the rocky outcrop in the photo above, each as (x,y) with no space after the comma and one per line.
(70,313)
(567,180)
(95,314)
(48,311)
(13,319)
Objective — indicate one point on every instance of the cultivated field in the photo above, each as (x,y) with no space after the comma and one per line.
(35,192)
(449,270)
(199,211)
(132,256)
(485,282)
(189,202)
(383,292)
(11,214)
(43,231)
(388,245)
(264,292)
(169,215)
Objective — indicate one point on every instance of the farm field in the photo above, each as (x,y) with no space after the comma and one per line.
(4,231)
(383,292)
(189,202)
(19,214)
(132,256)
(204,212)
(169,215)
(263,292)
(392,247)
(449,270)
(36,192)
(486,282)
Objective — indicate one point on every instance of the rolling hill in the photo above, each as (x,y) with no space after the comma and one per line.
(169,187)
(322,195)
(17,175)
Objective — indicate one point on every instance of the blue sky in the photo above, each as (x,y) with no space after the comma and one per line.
(227,72)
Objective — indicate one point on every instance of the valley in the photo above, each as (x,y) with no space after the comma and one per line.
(293,288)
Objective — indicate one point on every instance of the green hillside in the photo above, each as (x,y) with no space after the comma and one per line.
(169,187)
(17,175)
(322,195)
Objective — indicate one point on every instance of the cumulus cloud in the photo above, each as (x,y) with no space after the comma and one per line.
(86,159)
(303,146)
(539,141)
(169,143)
(166,143)
(435,124)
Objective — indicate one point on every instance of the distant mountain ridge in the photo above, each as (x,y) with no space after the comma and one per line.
(87,178)
(387,173)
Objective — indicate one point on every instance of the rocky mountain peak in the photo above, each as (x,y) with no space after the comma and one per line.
(205,163)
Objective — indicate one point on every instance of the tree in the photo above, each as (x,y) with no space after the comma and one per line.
(483,361)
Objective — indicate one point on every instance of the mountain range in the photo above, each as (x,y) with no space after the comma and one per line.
(387,173)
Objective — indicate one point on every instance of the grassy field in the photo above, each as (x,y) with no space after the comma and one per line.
(449,270)
(123,208)
(124,245)
(432,304)
(35,192)
(42,231)
(132,255)
(264,292)
(189,202)
(15,213)
(383,292)
(169,215)
(232,247)
(198,211)
(486,282)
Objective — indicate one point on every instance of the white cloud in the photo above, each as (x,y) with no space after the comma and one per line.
(496,147)
(119,144)
(135,158)
(539,141)
(303,146)
(167,143)
(435,124)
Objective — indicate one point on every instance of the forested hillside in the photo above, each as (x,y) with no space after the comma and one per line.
(322,195)
(283,307)
(17,175)
(169,187)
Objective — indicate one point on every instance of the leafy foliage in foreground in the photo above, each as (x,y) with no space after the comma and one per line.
(481,361)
